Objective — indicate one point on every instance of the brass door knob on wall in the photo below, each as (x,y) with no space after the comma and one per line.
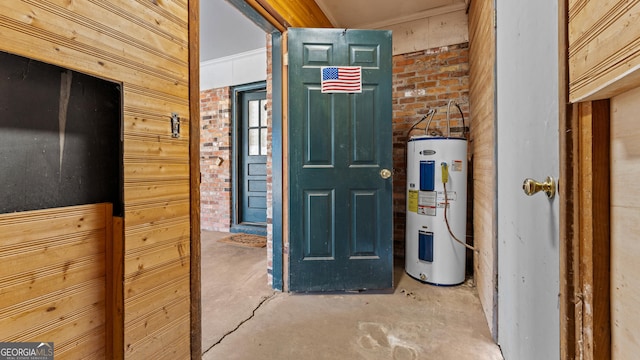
(531,187)
(385,173)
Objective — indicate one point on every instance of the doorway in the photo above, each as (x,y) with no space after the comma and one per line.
(250,124)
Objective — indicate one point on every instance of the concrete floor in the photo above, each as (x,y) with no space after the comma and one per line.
(242,318)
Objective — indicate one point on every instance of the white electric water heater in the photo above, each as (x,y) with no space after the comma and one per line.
(436,182)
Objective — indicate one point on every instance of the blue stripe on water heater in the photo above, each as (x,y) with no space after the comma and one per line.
(425,246)
(427,175)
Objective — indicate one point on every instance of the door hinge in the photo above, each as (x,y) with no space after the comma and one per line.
(285,59)
(495,18)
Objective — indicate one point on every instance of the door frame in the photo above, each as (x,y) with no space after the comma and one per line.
(570,187)
(195,178)
(585,317)
(236,156)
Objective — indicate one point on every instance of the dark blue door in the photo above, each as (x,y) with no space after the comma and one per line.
(340,157)
(253,178)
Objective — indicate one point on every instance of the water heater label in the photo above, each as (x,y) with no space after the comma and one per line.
(412,201)
(427,201)
(451,196)
(456,165)
(442,204)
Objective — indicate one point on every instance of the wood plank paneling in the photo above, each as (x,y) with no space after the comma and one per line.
(150,213)
(482,145)
(604,48)
(52,281)
(145,46)
(625,225)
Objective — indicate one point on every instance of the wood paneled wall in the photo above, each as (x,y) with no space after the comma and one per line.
(604,48)
(625,225)
(52,278)
(481,97)
(144,45)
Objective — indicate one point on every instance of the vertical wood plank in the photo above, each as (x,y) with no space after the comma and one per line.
(568,192)
(194,161)
(482,145)
(594,205)
(115,299)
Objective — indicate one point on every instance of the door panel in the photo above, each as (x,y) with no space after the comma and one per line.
(527,147)
(340,207)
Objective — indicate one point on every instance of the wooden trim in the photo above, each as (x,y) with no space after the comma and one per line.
(270,18)
(273,12)
(593,312)
(109,301)
(568,190)
(283,14)
(114,302)
(194,176)
(569,194)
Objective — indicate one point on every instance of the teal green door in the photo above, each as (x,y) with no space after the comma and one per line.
(253,182)
(340,156)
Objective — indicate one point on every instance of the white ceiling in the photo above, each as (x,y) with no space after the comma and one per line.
(378,14)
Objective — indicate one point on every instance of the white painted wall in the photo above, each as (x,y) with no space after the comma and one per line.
(238,69)
(225,31)
(431,32)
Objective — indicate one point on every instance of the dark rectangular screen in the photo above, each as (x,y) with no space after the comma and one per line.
(59,137)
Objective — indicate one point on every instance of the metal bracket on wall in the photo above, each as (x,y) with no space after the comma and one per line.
(175,125)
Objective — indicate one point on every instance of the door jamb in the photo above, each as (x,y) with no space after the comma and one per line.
(277,136)
(194,178)
(567,189)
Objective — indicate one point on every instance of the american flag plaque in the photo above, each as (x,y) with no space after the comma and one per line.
(341,79)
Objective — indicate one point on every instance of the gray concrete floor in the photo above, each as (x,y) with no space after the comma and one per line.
(242,318)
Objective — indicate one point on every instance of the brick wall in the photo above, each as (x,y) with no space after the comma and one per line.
(215,159)
(423,80)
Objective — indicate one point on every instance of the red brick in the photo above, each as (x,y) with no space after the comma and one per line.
(444,76)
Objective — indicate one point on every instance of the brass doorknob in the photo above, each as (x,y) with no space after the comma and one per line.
(531,187)
(385,173)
